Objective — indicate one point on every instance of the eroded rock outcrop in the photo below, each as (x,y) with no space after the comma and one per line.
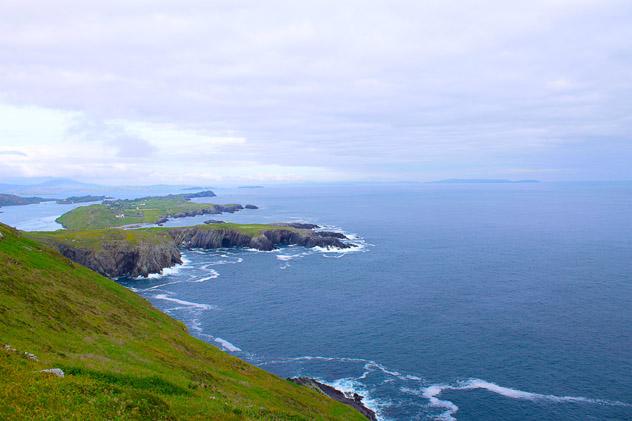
(121,258)
(117,256)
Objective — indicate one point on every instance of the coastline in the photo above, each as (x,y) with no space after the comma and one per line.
(354,401)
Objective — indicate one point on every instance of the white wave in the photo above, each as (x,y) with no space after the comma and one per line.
(223,262)
(359,244)
(383,369)
(349,386)
(173,270)
(227,345)
(368,365)
(195,324)
(162,285)
(286,258)
(189,304)
(213,275)
(431,393)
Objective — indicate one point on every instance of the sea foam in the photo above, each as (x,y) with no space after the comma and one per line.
(432,392)
(227,345)
(200,306)
(173,270)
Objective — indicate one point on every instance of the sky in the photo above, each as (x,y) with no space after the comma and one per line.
(186,92)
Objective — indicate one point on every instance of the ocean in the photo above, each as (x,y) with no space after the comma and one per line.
(467,302)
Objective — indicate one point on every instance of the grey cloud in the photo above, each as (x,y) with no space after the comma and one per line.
(111,134)
(357,84)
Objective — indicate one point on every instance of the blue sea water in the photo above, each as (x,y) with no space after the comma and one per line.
(468,302)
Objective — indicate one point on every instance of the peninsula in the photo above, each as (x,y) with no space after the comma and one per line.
(144,210)
(117,252)
(81,199)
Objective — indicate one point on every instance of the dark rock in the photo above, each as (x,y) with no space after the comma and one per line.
(251,207)
(299,225)
(355,400)
(209,239)
(332,234)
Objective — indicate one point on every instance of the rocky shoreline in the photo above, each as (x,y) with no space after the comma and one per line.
(118,256)
(355,400)
(215,210)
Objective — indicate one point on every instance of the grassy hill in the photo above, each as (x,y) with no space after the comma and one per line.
(149,210)
(123,359)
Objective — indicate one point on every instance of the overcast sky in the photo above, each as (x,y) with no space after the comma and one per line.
(229,91)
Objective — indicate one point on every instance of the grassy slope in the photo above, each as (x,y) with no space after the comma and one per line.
(147,210)
(123,358)
(94,239)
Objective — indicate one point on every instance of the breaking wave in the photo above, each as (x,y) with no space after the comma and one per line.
(227,345)
(189,304)
(433,391)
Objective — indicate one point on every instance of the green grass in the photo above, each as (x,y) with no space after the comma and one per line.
(123,358)
(252,230)
(94,239)
(127,212)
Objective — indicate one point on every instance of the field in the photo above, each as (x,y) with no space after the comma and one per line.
(149,210)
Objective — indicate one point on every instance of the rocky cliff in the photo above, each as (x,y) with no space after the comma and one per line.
(120,258)
(118,255)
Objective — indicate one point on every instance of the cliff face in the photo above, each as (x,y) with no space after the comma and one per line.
(121,257)
(267,240)
(194,237)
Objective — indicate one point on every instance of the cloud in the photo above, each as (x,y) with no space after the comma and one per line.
(112,134)
(395,90)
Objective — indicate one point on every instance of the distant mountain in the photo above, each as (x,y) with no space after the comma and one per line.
(47,186)
(196,188)
(250,187)
(482,181)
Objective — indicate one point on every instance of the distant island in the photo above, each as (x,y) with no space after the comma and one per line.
(482,181)
(13,200)
(250,187)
